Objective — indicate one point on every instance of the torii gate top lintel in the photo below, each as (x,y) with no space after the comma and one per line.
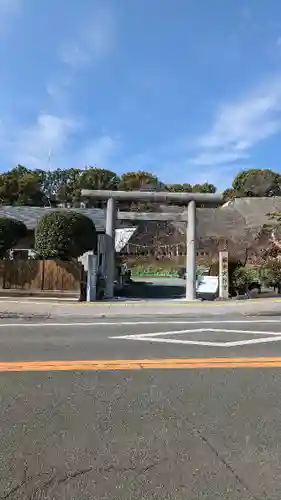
(155,196)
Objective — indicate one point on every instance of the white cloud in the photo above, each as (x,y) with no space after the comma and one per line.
(48,144)
(48,136)
(92,43)
(211,158)
(240,126)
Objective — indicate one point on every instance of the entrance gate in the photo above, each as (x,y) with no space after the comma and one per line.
(189,216)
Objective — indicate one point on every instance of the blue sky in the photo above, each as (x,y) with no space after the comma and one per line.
(187,89)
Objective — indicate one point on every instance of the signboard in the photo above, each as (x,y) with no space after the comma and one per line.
(207,287)
(223,275)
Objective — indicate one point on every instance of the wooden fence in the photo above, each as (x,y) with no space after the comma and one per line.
(41,275)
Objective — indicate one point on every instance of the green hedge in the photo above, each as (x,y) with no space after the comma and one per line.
(161,271)
(152,270)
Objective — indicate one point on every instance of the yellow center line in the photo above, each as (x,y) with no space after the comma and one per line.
(139,364)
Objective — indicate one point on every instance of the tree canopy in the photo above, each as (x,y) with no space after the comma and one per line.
(64,234)
(257,183)
(59,188)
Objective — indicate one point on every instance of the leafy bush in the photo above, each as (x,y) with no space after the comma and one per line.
(271,272)
(11,231)
(64,234)
(242,277)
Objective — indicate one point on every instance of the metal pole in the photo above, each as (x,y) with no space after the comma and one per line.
(191,252)
(110,248)
(91,294)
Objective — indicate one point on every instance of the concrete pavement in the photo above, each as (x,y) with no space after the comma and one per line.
(125,434)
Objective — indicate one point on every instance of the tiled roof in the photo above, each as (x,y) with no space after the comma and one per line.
(255,210)
(240,216)
(31,215)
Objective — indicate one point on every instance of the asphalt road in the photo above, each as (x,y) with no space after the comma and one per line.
(165,433)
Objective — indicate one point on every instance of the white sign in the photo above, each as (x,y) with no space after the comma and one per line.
(207,286)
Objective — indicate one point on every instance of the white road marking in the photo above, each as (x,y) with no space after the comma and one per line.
(197,330)
(136,323)
(209,344)
(158,334)
(154,337)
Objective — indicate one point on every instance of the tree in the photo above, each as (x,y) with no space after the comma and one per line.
(11,231)
(179,188)
(204,188)
(64,234)
(21,186)
(60,186)
(256,182)
(228,194)
(98,178)
(64,186)
(139,181)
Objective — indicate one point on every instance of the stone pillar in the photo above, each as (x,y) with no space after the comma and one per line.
(191,252)
(223,275)
(110,248)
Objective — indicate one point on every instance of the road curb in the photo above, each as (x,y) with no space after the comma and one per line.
(131,315)
(45,310)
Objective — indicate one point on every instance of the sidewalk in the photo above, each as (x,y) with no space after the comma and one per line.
(40,309)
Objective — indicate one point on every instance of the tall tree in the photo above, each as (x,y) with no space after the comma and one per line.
(139,181)
(21,186)
(61,186)
(98,178)
(257,182)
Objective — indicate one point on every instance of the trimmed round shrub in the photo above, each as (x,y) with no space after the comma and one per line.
(64,234)
(11,231)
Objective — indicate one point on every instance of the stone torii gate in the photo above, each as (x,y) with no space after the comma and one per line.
(189,215)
